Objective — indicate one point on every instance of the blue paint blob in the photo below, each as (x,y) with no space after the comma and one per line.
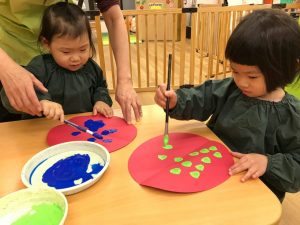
(76,133)
(113,131)
(91,139)
(107,140)
(94,125)
(105,132)
(99,136)
(65,172)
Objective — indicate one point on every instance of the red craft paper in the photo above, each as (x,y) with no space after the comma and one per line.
(123,136)
(147,169)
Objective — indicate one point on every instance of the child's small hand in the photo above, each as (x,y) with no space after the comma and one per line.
(254,164)
(103,109)
(52,110)
(161,96)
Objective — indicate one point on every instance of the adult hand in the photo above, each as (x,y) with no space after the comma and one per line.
(127,99)
(19,84)
(254,164)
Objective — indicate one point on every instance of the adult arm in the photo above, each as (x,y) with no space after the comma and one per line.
(125,94)
(19,84)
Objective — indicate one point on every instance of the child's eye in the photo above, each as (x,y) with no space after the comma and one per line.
(83,50)
(252,77)
(65,52)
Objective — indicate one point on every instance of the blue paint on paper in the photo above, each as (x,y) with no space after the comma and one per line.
(76,133)
(94,125)
(91,139)
(65,172)
(99,136)
(105,132)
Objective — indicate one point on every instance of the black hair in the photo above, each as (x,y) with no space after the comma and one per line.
(270,40)
(65,19)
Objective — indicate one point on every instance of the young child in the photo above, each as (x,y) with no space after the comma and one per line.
(250,112)
(74,81)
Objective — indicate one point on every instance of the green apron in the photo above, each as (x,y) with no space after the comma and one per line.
(19,27)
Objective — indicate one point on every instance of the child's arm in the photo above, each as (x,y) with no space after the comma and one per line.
(161,96)
(255,165)
(52,110)
(102,108)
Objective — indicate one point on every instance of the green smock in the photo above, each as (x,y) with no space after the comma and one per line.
(77,91)
(19,27)
(249,125)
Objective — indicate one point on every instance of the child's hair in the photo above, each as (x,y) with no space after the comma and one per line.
(65,19)
(270,40)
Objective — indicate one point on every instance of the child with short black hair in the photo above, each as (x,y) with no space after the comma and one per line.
(250,112)
(74,81)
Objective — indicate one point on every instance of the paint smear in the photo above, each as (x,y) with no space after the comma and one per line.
(94,125)
(67,172)
(42,214)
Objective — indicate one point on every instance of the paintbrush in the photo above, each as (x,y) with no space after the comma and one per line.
(166,133)
(83,129)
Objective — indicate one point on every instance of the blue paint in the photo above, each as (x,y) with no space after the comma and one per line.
(94,125)
(105,132)
(76,133)
(91,139)
(99,136)
(66,171)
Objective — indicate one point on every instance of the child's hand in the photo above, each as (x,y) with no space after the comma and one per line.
(103,109)
(161,97)
(52,110)
(255,164)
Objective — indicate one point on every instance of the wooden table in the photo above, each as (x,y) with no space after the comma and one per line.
(117,199)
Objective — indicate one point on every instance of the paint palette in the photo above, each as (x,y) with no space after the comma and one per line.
(68,167)
(33,205)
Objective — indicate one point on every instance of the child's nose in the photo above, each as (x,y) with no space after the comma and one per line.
(75,58)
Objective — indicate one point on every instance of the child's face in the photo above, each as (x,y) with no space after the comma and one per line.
(70,53)
(249,80)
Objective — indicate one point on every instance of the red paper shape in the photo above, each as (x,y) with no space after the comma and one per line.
(147,169)
(123,135)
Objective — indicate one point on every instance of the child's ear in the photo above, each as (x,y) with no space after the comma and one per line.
(45,43)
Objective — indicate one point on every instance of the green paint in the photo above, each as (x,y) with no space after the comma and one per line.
(195,174)
(175,171)
(194,153)
(218,155)
(206,160)
(166,142)
(204,150)
(213,148)
(187,163)
(168,147)
(162,157)
(42,214)
(178,159)
(200,167)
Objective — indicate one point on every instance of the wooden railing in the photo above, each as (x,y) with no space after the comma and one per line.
(161,32)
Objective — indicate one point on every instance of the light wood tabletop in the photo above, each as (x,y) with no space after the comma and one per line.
(116,199)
